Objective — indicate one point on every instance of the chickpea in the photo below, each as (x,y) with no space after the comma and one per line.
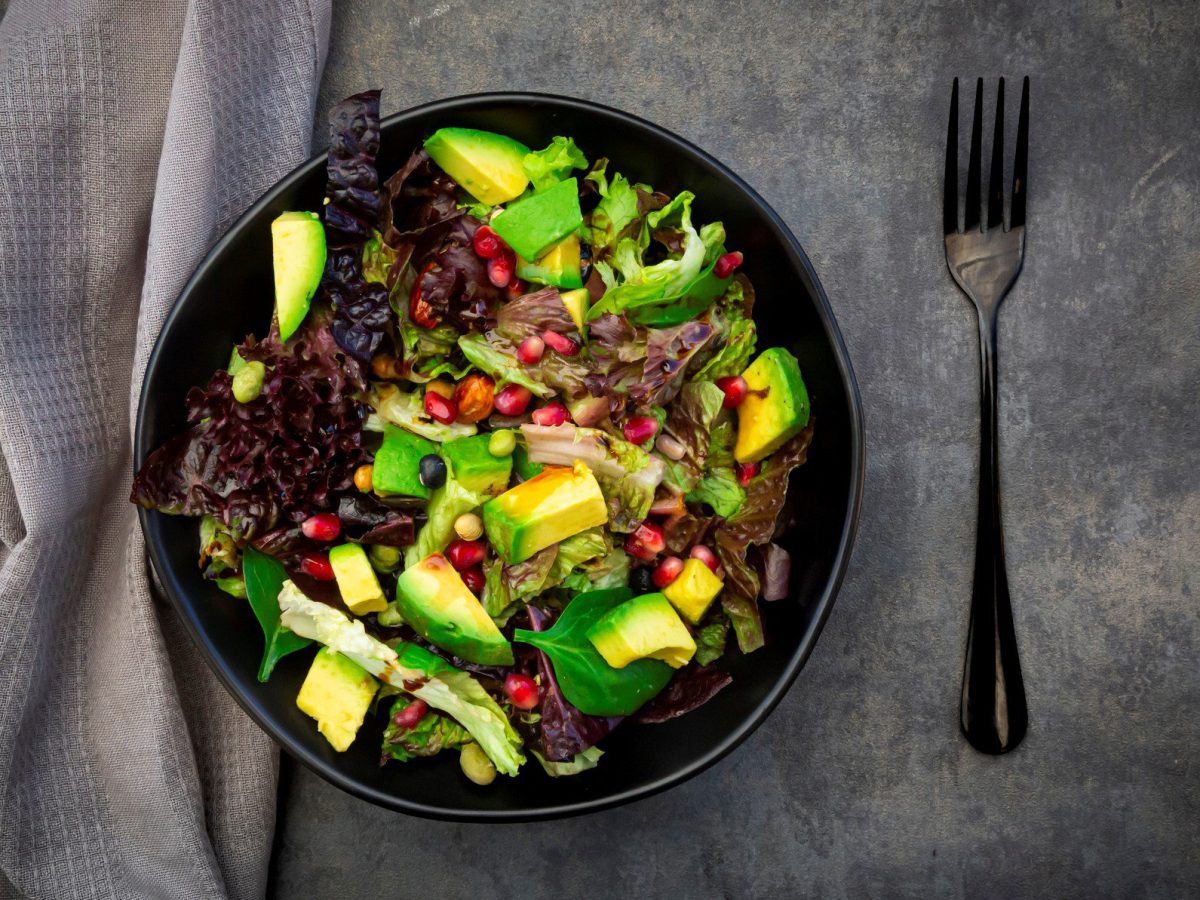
(363,477)
(476,765)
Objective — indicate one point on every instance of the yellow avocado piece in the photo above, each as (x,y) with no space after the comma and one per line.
(544,510)
(489,166)
(337,692)
(356,580)
(298,259)
(645,627)
(776,406)
(694,590)
(577,303)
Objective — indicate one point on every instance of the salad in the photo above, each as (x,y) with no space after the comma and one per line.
(508,457)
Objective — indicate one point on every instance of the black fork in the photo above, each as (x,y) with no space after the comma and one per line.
(985,263)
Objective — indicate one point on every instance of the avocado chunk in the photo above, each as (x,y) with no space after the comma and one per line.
(398,463)
(356,580)
(577,303)
(560,266)
(337,692)
(531,225)
(694,590)
(776,406)
(544,510)
(646,627)
(298,255)
(474,467)
(432,599)
(489,166)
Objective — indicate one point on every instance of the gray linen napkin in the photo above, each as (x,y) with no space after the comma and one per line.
(132,133)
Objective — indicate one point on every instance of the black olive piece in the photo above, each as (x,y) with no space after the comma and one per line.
(432,471)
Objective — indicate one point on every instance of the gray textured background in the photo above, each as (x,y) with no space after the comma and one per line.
(860,785)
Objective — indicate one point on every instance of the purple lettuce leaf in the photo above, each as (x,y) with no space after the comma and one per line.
(564,730)
(531,314)
(668,353)
(690,688)
(776,572)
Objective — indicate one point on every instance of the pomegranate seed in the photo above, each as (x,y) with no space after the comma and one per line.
(411,714)
(522,690)
(487,243)
(316,565)
(728,264)
(465,554)
(515,289)
(530,350)
(667,571)
(322,527)
(646,542)
(512,400)
(640,429)
(550,414)
(706,556)
(474,579)
(735,389)
(560,343)
(746,471)
(440,408)
(500,269)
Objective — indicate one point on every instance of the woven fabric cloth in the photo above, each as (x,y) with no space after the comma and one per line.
(132,134)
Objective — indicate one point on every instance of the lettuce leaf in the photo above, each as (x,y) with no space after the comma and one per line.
(669,352)
(735,352)
(431,735)
(502,365)
(411,669)
(446,504)
(616,211)
(580,762)
(719,488)
(690,421)
(710,642)
(407,410)
(551,165)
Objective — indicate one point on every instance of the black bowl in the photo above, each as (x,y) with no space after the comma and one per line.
(230,296)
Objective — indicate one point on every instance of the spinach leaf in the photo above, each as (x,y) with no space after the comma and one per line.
(265,576)
(589,683)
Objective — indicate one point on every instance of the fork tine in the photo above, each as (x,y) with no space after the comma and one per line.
(974,175)
(950,185)
(1017,215)
(995,217)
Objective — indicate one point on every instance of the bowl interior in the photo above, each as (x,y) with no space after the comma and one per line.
(230,296)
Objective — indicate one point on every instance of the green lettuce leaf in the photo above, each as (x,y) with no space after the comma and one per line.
(431,735)
(616,211)
(719,488)
(580,762)
(710,642)
(407,410)
(412,669)
(503,366)
(446,504)
(736,350)
(549,166)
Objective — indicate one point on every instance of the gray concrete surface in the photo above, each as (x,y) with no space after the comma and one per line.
(859,785)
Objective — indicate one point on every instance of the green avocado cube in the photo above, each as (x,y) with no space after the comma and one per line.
(356,579)
(398,463)
(776,407)
(544,510)
(531,225)
(489,166)
(337,692)
(560,266)
(646,627)
(473,466)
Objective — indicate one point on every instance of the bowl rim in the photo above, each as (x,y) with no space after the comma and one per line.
(824,603)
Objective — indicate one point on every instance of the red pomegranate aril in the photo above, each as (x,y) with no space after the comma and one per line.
(646,542)
(530,350)
(500,269)
(728,264)
(515,289)
(487,243)
(746,472)
(411,714)
(465,554)
(560,343)
(550,414)
(667,571)
(735,389)
(522,690)
(440,408)
(316,565)
(322,527)
(640,429)
(706,556)
(512,400)
(474,579)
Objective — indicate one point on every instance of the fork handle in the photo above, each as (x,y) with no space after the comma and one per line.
(993,712)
